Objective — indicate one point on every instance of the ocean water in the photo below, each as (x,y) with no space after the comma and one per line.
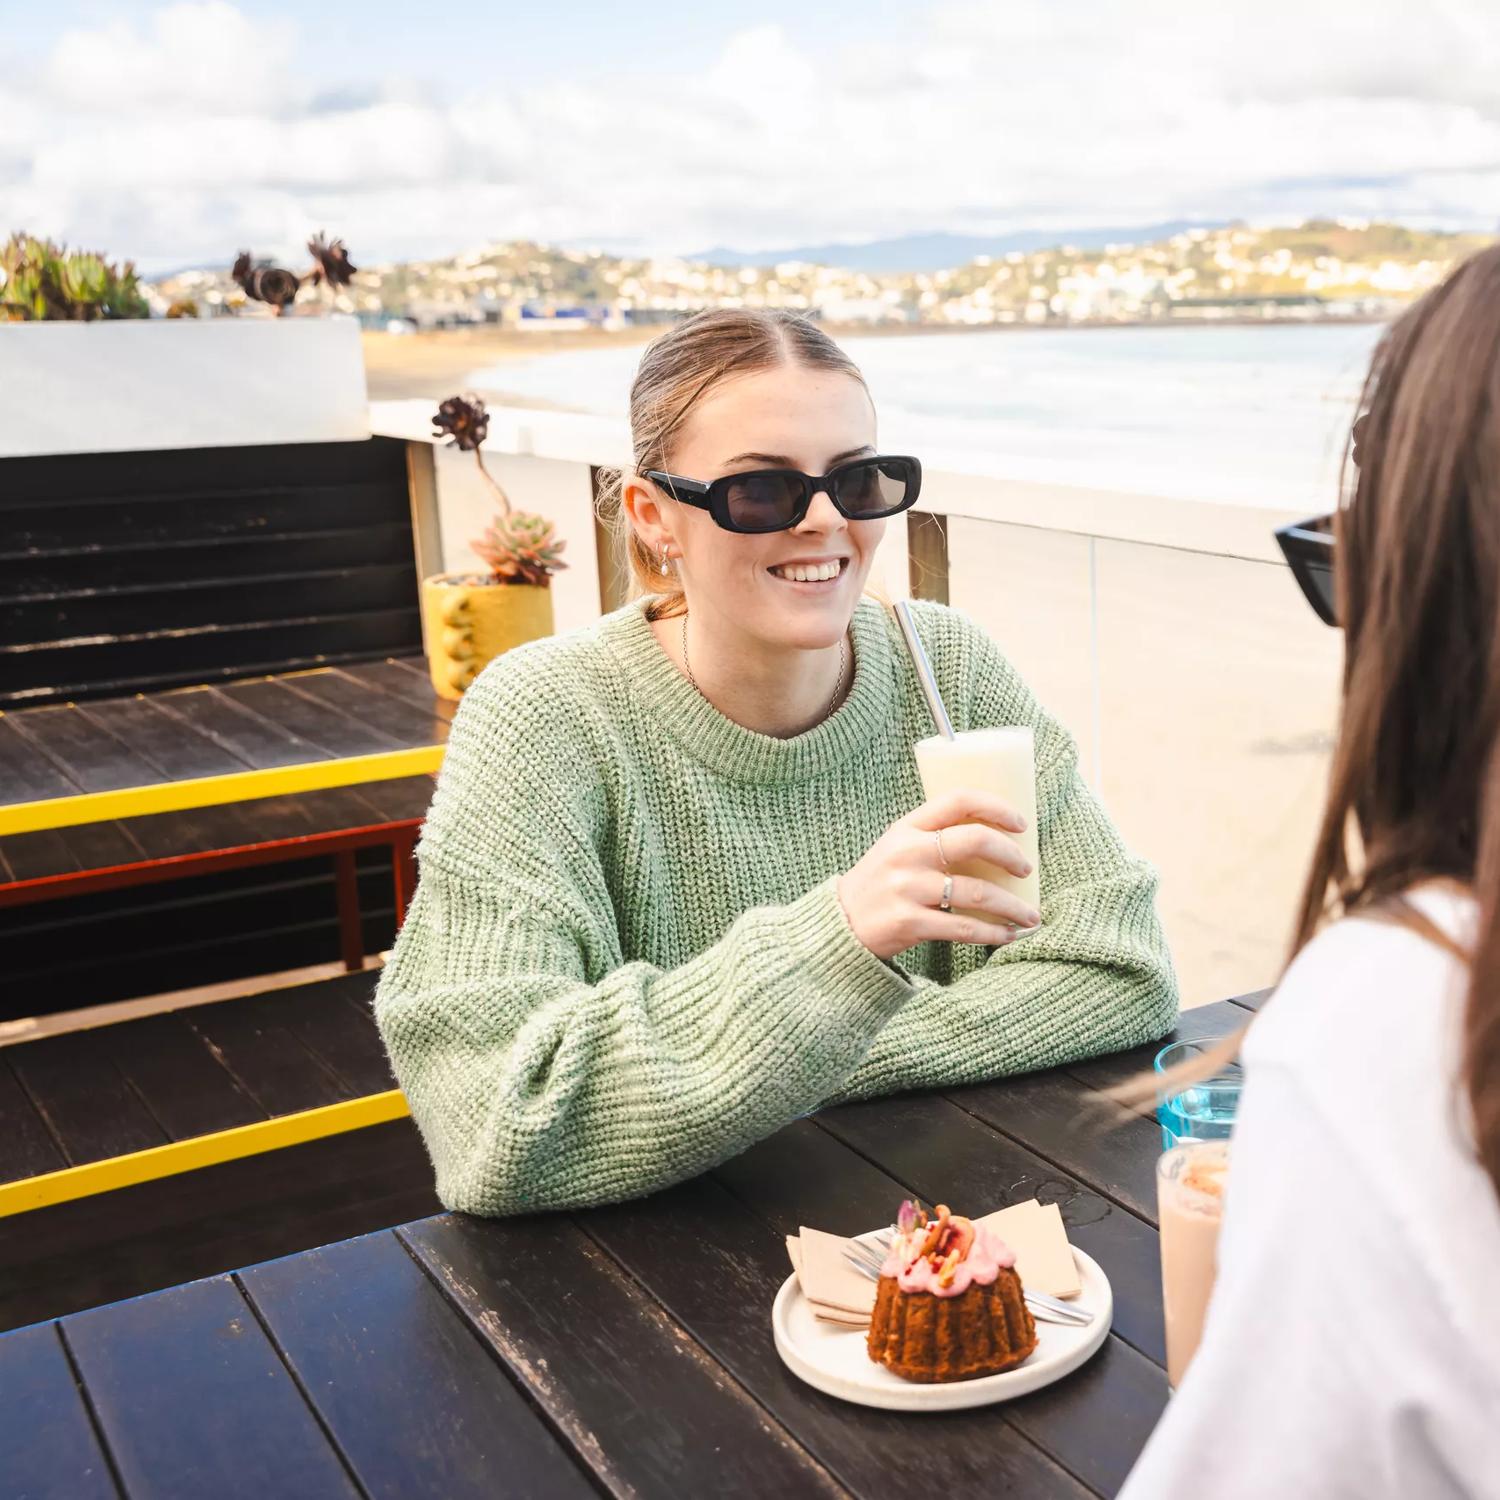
(1249,415)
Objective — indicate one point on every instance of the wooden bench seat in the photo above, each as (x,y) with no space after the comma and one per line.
(60,763)
(275,1117)
(241,769)
(88,1096)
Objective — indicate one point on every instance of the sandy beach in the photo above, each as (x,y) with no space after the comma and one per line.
(439,363)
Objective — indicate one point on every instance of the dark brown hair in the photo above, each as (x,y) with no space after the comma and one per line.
(676,372)
(1414,787)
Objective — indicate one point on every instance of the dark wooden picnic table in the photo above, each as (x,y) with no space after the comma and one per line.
(625,1349)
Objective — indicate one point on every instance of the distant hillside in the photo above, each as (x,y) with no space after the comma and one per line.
(1322,268)
(938,252)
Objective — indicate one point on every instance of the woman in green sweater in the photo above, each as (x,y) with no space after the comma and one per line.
(673,857)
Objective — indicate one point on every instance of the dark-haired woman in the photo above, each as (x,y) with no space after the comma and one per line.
(1353,1344)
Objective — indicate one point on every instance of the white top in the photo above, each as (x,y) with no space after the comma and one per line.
(1352,1348)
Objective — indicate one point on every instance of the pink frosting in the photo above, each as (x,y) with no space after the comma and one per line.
(987,1257)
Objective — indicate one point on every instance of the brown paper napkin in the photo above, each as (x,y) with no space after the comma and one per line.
(838,1293)
(821,1311)
(1034,1231)
(829,1282)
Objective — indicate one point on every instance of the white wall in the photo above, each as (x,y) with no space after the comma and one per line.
(153,383)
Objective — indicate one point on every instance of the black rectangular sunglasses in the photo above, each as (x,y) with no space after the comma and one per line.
(1308,549)
(865,489)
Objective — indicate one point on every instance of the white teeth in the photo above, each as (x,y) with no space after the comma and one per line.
(820,574)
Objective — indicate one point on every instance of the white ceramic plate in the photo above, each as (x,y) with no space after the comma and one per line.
(835,1359)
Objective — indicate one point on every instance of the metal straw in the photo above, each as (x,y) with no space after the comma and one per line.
(924,669)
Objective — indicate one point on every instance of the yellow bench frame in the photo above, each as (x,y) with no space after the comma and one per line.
(28,1193)
(213,791)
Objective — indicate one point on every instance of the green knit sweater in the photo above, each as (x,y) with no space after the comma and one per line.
(625,959)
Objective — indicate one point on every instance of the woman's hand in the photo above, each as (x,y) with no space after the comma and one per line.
(891,897)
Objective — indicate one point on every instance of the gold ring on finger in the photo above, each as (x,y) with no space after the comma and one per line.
(946,904)
(937,833)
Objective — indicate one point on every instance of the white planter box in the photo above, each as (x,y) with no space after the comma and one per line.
(155,383)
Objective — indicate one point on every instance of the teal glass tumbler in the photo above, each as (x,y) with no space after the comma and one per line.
(1203,1111)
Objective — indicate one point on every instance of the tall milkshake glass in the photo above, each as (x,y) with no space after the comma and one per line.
(1001,761)
(1190,1182)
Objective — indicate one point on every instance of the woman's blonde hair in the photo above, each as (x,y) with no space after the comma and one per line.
(676,372)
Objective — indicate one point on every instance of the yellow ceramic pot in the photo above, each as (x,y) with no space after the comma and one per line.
(468,624)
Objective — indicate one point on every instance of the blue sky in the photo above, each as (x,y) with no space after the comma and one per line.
(346,43)
(176,133)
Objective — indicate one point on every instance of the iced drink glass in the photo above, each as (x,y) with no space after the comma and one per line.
(1190,1183)
(999,761)
(1204,1110)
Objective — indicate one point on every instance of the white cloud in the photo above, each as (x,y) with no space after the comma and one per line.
(196,134)
(204,56)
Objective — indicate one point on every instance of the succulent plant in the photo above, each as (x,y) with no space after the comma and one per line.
(519,546)
(40,280)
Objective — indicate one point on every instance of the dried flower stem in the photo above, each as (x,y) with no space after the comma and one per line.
(493,483)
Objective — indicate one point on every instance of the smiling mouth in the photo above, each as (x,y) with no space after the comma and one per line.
(819,575)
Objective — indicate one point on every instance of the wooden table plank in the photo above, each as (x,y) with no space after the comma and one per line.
(1254,1000)
(48,1447)
(1202,1023)
(188,1090)
(193,1400)
(238,729)
(411,724)
(648,1409)
(88,755)
(172,746)
(333,732)
(1113,1152)
(26,775)
(27,1147)
(363,1329)
(716,1266)
(78,1090)
(1093,1427)
(266,1056)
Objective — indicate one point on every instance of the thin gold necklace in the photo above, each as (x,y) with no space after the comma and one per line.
(838,686)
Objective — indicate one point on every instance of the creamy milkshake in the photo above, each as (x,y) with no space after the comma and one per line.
(1190,1195)
(1000,761)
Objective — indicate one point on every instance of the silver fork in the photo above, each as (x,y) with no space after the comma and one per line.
(868,1262)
